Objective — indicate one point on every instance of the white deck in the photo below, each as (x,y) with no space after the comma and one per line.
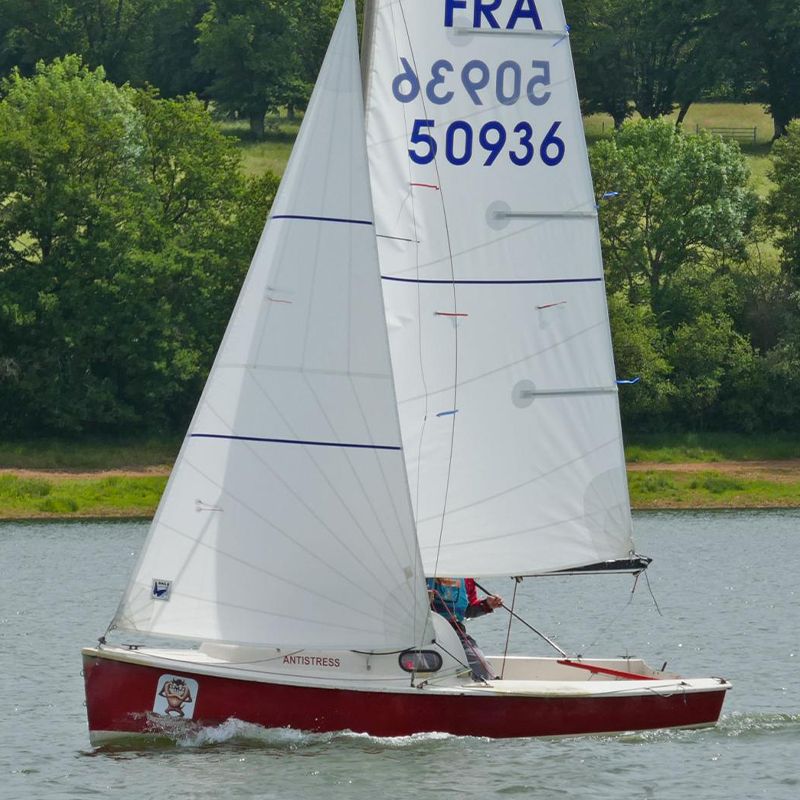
(522,676)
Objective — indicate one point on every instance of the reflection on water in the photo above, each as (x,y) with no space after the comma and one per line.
(725,584)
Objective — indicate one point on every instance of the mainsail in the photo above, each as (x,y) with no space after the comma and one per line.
(287,518)
(493,284)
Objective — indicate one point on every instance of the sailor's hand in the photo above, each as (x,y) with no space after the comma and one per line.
(493,601)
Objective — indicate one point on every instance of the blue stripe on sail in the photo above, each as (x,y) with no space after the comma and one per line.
(292,441)
(323,219)
(491,283)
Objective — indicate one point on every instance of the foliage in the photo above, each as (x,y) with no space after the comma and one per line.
(111,33)
(253,51)
(643,55)
(782,377)
(80,497)
(687,292)
(666,489)
(135,41)
(762,38)
(783,207)
(708,354)
(638,352)
(124,234)
(680,198)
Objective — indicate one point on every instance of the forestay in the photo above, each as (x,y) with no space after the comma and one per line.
(287,518)
(493,283)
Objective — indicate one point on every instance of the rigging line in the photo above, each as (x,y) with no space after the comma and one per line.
(441,194)
(615,620)
(416,233)
(649,589)
(626,606)
(465,639)
(517,582)
(526,624)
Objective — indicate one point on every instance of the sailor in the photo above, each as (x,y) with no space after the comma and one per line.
(456,599)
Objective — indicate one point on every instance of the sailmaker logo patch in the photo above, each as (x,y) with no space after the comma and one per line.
(161,589)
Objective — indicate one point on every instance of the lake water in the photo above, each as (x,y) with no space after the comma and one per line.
(725,583)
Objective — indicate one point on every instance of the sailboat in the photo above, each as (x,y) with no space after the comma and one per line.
(417,380)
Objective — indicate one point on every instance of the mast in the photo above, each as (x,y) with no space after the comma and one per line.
(367,35)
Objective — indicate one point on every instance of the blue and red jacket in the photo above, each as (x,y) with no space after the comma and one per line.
(456,599)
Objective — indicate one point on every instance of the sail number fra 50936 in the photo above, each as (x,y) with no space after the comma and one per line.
(492,138)
(476,76)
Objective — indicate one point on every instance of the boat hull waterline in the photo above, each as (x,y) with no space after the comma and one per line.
(123,695)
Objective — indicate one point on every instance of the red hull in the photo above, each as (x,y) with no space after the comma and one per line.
(120,698)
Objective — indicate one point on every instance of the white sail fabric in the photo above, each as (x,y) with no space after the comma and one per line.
(287,519)
(493,285)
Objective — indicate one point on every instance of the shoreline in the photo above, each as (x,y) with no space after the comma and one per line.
(123,517)
(28,495)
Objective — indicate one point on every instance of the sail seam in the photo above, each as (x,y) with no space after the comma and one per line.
(490,282)
(309,442)
(323,219)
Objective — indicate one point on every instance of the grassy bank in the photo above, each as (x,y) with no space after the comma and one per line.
(30,495)
(65,497)
(709,489)
(138,496)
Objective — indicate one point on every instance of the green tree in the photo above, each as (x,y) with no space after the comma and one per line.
(763,39)
(602,65)
(638,352)
(712,366)
(135,41)
(252,48)
(643,55)
(681,200)
(783,204)
(124,233)
(114,34)
(170,58)
(781,370)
